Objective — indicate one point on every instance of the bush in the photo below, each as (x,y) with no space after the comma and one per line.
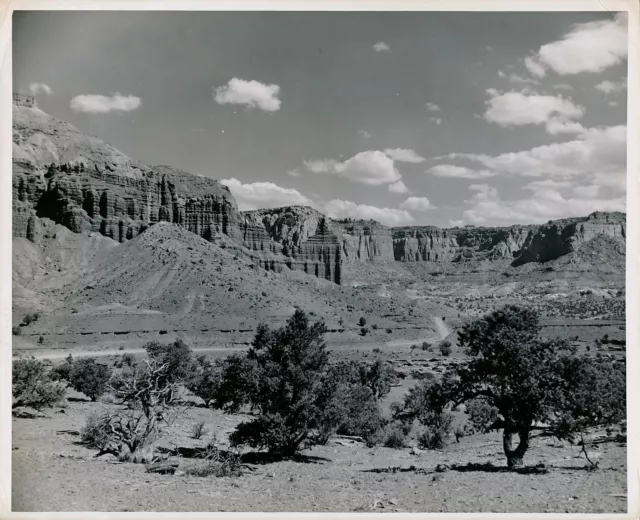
(445,348)
(364,331)
(198,430)
(362,322)
(435,436)
(374,327)
(217,463)
(128,359)
(206,384)
(62,371)
(389,331)
(395,436)
(32,385)
(425,346)
(30,318)
(177,356)
(481,414)
(89,377)
(282,377)
(16,330)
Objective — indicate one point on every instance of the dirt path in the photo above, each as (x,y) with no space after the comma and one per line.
(441,327)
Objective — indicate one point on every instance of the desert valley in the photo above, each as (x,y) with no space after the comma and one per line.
(110,254)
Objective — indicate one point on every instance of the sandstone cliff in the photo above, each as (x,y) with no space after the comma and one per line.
(83,183)
(62,176)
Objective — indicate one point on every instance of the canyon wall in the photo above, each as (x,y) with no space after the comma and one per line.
(62,176)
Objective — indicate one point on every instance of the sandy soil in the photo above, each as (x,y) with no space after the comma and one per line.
(53,472)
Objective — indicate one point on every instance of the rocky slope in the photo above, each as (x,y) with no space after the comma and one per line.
(62,176)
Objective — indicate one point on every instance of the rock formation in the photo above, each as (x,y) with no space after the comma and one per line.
(62,176)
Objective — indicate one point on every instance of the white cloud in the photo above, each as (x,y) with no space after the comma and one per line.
(534,67)
(588,47)
(417,204)
(612,87)
(558,126)
(293,173)
(612,103)
(257,195)
(563,86)
(515,78)
(436,120)
(374,168)
(346,209)
(398,187)
(250,93)
(432,107)
(596,151)
(544,204)
(482,193)
(40,88)
(404,155)
(364,134)
(381,47)
(527,108)
(461,172)
(97,104)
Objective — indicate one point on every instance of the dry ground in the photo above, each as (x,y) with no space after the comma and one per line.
(53,472)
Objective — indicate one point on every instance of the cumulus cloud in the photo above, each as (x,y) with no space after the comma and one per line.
(346,209)
(432,107)
(374,168)
(252,93)
(98,104)
(528,108)
(563,86)
(364,134)
(417,204)
(436,120)
(398,187)
(40,88)
(587,47)
(381,47)
(534,67)
(595,152)
(461,172)
(612,87)
(404,155)
(515,78)
(257,195)
(545,203)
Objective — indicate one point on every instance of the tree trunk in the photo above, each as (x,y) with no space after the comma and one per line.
(515,456)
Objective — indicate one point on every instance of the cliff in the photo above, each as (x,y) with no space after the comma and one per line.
(62,176)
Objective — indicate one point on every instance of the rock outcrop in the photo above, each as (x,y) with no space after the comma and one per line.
(62,176)
(85,184)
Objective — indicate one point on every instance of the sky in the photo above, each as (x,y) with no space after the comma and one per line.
(420,118)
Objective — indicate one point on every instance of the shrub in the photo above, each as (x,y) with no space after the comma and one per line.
(89,377)
(217,463)
(445,348)
(364,331)
(30,318)
(198,430)
(178,356)
(389,331)
(362,322)
(128,359)
(62,371)
(129,433)
(41,340)
(32,385)
(283,378)
(425,346)
(425,404)
(206,384)
(16,330)
(435,436)
(481,414)
(374,327)
(395,436)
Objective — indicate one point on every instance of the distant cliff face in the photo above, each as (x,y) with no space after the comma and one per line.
(63,176)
